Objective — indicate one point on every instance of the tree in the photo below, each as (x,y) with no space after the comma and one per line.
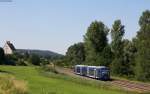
(117,33)
(2,56)
(35,59)
(76,54)
(95,42)
(142,69)
(11,59)
(107,56)
(129,52)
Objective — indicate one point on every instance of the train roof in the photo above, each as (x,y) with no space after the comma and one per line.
(91,66)
(81,65)
(101,67)
(97,66)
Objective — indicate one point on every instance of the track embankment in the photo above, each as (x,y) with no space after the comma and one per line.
(123,84)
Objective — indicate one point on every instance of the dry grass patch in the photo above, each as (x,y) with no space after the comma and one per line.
(9,85)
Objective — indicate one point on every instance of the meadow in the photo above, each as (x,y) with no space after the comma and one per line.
(38,83)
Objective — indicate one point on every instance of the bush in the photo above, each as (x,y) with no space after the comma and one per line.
(49,68)
(2,56)
(35,59)
(21,62)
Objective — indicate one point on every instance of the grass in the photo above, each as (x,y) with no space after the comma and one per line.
(9,85)
(53,84)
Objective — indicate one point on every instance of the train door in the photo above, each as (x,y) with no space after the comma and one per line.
(95,73)
(98,74)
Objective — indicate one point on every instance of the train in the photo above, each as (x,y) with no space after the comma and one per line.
(96,72)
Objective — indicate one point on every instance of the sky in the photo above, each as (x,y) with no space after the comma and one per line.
(56,24)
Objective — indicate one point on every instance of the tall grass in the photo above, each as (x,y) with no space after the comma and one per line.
(9,85)
(40,81)
(93,83)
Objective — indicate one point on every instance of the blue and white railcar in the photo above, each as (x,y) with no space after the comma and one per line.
(102,72)
(98,72)
(91,71)
(81,70)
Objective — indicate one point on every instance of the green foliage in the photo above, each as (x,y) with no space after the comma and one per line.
(15,59)
(117,33)
(49,68)
(10,59)
(129,52)
(145,19)
(2,56)
(34,59)
(107,56)
(142,68)
(95,42)
(21,62)
(63,62)
(76,54)
(123,51)
(117,67)
(44,61)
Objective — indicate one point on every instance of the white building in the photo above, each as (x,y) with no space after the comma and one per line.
(8,48)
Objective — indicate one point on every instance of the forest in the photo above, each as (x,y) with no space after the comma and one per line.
(126,58)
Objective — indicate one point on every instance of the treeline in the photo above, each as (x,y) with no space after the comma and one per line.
(124,57)
(25,59)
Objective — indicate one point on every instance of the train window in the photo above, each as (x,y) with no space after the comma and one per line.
(91,71)
(78,69)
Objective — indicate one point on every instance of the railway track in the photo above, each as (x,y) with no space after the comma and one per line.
(123,84)
(131,86)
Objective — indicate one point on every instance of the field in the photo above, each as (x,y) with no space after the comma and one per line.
(40,84)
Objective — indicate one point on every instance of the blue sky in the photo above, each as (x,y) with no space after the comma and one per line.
(56,24)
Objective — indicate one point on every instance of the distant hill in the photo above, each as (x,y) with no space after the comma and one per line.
(42,53)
